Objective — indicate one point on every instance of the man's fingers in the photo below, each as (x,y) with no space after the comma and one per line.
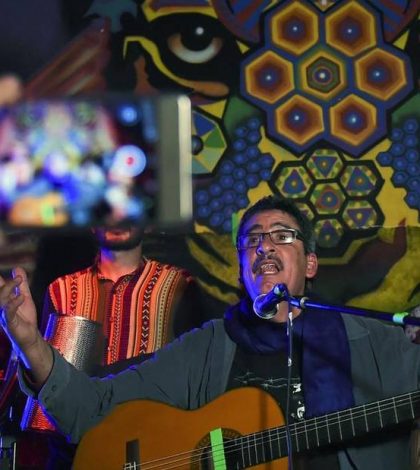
(12,296)
(8,288)
(18,271)
(8,311)
(19,274)
(9,292)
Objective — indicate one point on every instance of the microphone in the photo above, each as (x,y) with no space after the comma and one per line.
(265,305)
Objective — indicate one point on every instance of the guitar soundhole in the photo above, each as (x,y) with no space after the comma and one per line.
(202,456)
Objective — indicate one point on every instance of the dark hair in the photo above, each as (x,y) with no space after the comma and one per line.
(285,205)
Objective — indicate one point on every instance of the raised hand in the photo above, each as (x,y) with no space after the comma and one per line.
(18,318)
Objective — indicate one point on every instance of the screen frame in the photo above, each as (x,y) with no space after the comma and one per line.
(173,206)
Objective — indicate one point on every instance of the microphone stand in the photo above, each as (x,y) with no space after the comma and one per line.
(289,383)
(399,318)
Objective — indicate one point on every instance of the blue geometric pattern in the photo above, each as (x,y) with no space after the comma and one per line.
(325,76)
(403,156)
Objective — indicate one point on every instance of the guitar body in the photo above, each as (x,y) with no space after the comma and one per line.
(171,436)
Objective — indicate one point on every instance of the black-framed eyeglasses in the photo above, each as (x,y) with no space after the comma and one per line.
(283,236)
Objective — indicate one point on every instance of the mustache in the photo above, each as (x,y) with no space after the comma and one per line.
(262,259)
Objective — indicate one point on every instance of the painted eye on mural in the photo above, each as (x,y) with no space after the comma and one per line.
(190,43)
(195,46)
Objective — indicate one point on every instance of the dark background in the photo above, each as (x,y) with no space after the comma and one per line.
(32,32)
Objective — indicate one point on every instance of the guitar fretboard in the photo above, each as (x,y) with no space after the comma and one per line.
(271,444)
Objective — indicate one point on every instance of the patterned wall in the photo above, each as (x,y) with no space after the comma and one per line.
(317,101)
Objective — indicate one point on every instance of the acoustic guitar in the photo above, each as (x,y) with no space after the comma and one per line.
(242,428)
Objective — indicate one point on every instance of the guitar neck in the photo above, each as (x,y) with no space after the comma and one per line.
(271,444)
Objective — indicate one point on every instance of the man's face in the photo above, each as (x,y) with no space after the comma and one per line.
(118,239)
(264,266)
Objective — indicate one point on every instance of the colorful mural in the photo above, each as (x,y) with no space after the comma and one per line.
(317,101)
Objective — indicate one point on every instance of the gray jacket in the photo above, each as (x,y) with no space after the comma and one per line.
(194,370)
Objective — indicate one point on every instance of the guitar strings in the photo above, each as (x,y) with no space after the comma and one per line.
(381,406)
(277,434)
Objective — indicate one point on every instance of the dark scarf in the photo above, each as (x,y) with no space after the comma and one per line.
(326,368)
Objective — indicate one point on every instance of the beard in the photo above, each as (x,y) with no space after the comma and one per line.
(118,240)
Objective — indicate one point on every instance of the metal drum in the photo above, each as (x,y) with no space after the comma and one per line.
(81,342)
